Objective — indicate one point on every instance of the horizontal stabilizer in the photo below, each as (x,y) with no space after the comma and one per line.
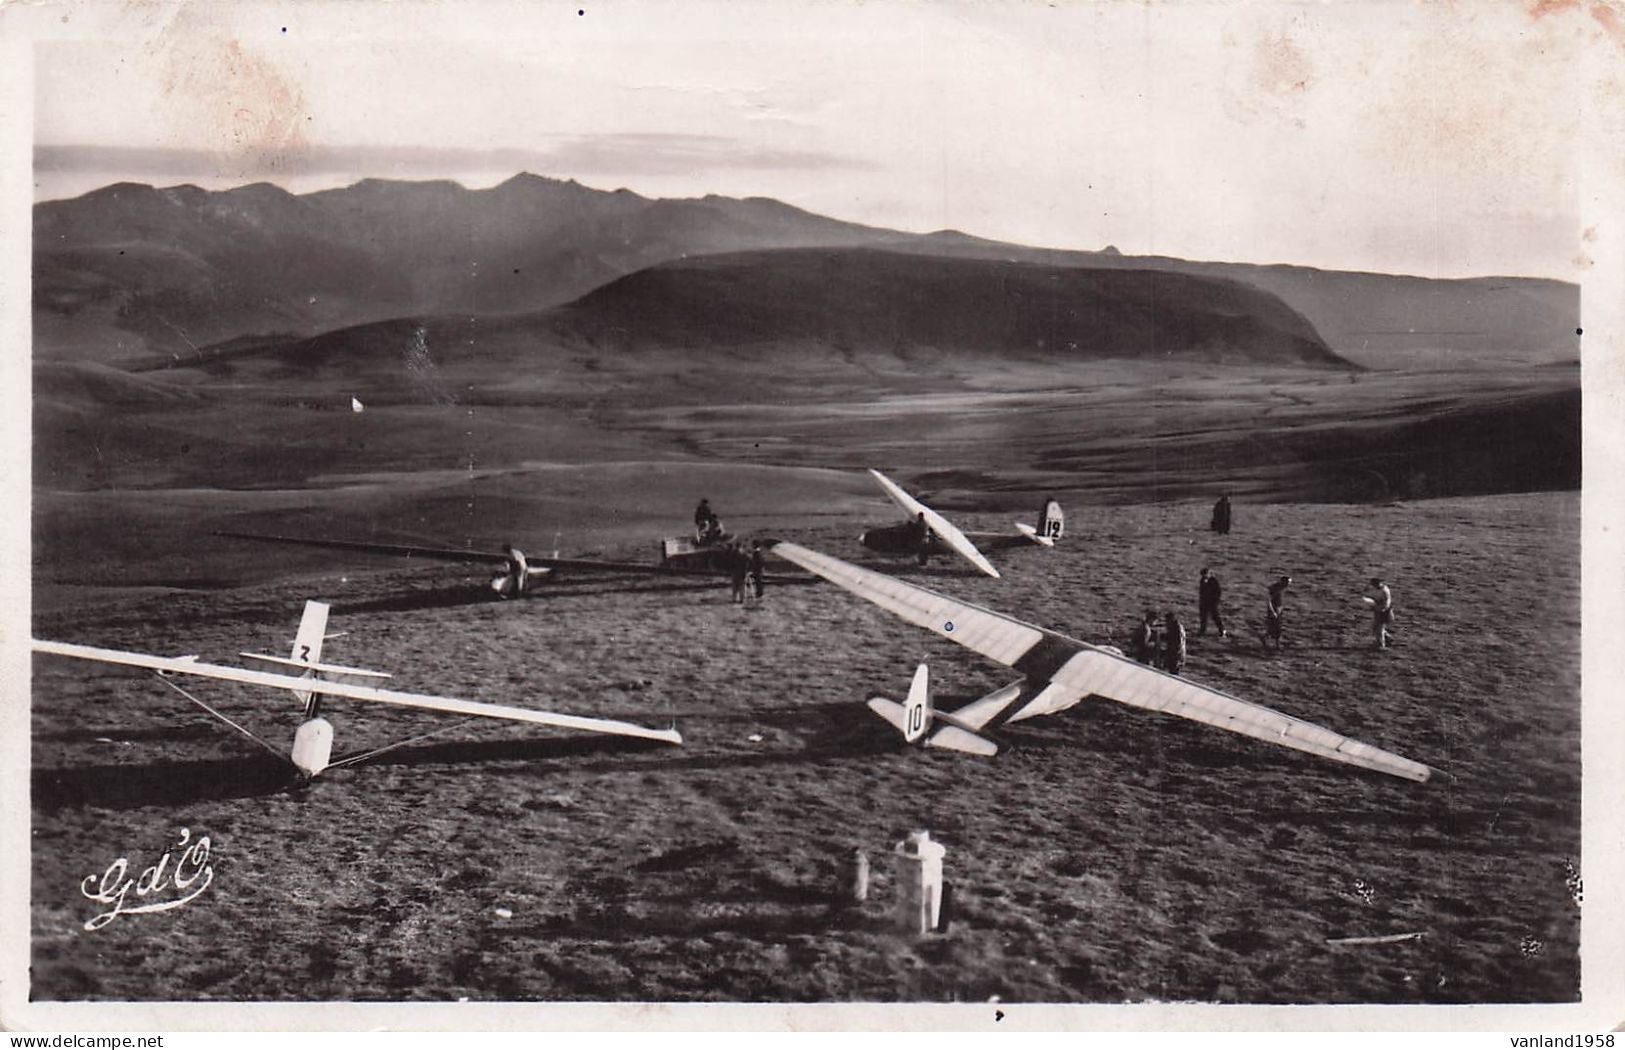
(955,739)
(1032,534)
(890,710)
(951,738)
(302,665)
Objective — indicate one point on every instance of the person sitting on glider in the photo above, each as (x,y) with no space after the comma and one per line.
(707,527)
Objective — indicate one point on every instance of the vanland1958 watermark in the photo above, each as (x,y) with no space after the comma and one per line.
(169,889)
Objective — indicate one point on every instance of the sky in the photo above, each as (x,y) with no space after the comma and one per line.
(1438,140)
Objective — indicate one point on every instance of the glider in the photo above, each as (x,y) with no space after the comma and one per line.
(313,741)
(517,574)
(928,533)
(1058,672)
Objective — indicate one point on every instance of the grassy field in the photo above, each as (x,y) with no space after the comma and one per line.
(133,473)
(1107,855)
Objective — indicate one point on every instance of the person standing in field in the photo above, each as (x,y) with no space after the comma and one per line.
(922,539)
(1221,515)
(1173,644)
(518,571)
(1208,591)
(1381,600)
(1275,610)
(738,570)
(1143,642)
(756,569)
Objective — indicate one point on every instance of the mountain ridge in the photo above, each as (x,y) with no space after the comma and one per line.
(130,268)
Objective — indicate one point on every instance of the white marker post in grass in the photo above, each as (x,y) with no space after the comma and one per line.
(918,865)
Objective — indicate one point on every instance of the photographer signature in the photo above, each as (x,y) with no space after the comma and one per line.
(191,875)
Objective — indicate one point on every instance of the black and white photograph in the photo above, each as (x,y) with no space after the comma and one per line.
(1009,508)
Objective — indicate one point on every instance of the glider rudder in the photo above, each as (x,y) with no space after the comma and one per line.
(307,648)
(1053,522)
(917,708)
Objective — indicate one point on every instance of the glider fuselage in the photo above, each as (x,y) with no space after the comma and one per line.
(902,539)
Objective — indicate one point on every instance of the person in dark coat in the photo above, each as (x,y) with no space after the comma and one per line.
(1207,600)
(707,526)
(756,569)
(1275,610)
(1173,643)
(1221,515)
(738,570)
(922,539)
(1143,642)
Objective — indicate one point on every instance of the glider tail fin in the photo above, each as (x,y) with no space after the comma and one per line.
(914,716)
(307,643)
(917,708)
(917,719)
(1052,523)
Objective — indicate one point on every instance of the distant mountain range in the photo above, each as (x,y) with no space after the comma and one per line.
(130,271)
(169,269)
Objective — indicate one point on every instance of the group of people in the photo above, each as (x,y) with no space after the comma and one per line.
(1160,646)
(743,565)
(1378,596)
(1208,591)
(1163,645)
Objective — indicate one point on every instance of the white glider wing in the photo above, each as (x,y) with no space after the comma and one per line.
(1064,670)
(941,527)
(994,635)
(1094,672)
(319,668)
(174,665)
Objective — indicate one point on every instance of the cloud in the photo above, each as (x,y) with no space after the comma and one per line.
(633,153)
